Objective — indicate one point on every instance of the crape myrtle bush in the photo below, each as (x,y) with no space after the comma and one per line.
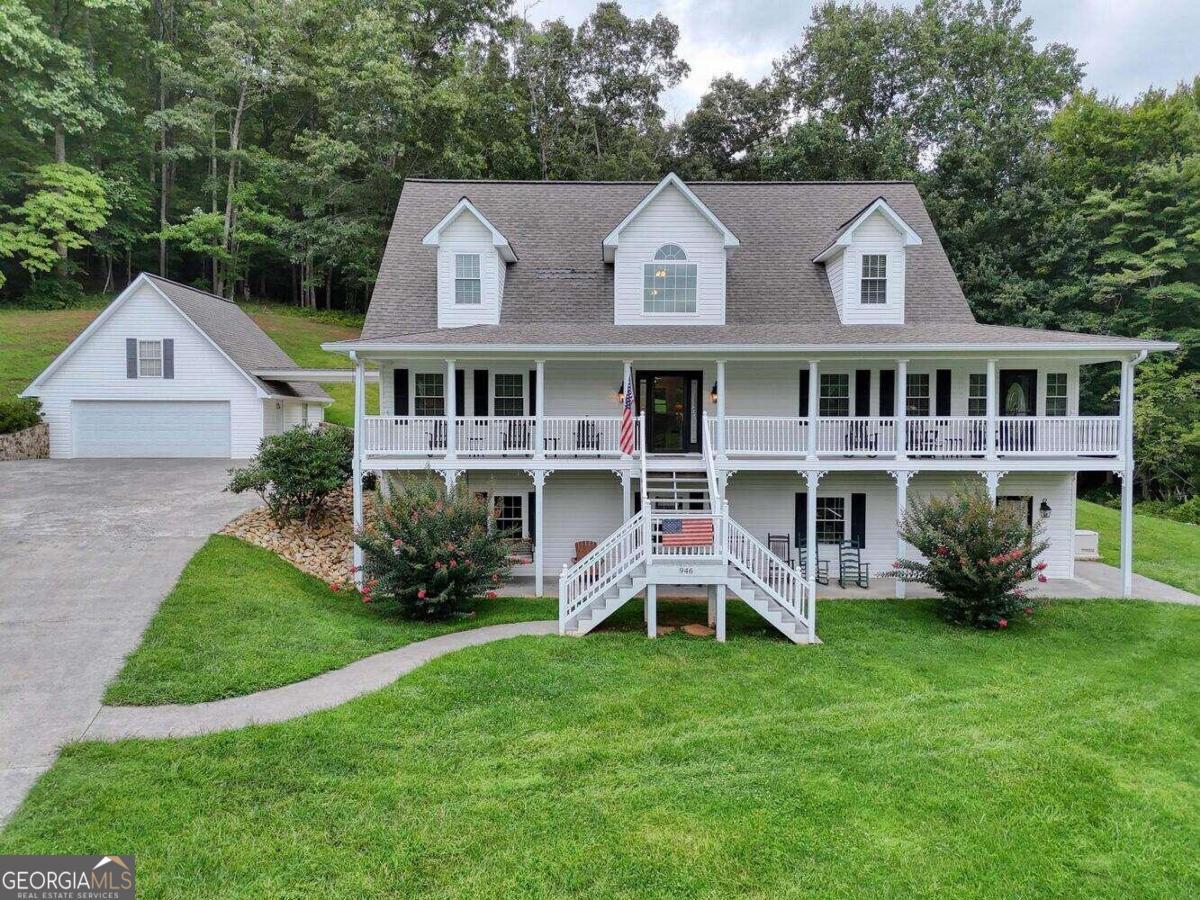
(432,555)
(978,556)
(296,471)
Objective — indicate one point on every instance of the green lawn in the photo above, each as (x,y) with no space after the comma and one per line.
(31,338)
(241,620)
(1164,550)
(902,758)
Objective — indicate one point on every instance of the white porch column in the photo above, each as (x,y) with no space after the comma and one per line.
(651,610)
(711,593)
(901,408)
(720,626)
(721,406)
(993,408)
(902,477)
(813,400)
(812,479)
(626,494)
(539,543)
(451,411)
(356,468)
(1127,478)
(539,429)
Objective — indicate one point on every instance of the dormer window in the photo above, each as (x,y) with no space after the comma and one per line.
(467,289)
(669,283)
(874,278)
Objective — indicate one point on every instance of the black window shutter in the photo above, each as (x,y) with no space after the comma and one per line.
(637,502)
(801,519)
(804,392)
(942,403)
(168,357)
(481,392)
(400,391)
(858,519)
(530,519)
(131,357)
(533,397)
(460,392)
(862,392)
(887,392)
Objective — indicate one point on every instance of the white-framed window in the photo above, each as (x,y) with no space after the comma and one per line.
(150,359)
(831,520)
(467,286)
(1056,393)
(977,394)
(509,514)
(874,278)
(669,283)
(835,394)
(509,397)
(918,394)
(304,414)
(429,395)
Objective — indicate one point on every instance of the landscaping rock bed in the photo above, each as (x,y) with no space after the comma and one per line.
(31,443)
(324,550)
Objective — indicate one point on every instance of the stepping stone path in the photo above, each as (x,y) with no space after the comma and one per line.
(698,630)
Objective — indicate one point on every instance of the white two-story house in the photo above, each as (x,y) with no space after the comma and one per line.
(800,358)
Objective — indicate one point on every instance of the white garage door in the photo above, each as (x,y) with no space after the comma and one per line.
(148,428)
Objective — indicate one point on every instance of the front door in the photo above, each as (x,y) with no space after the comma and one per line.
(1018,399)
(671,402)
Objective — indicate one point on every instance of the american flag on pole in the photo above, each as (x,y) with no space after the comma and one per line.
(627,417)
(687,532)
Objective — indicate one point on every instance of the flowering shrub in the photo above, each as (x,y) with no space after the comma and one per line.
(295,472)
(977,557)
(431,555)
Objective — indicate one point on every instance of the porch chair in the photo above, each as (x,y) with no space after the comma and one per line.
(518,436)
(586,437)
(781,546)
(582,549)
(851,567)
(437,437)
(822,565)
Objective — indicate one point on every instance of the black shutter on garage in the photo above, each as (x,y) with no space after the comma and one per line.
(804,392)
(801,520)
(400,392)
(862,392)
(481,392)
(942,402)
(168,357)
(858,519)
(887,392)
(533,397)
(460,392)
(530,518)
(131,357)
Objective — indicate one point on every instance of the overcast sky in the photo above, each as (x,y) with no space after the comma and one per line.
(1127,45)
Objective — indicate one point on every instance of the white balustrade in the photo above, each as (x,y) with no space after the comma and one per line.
(946,436)
(1058,436)
(605,566)
(784,584)
(585,436)
(856,435)
(495,435)
(404,435)
(766,436)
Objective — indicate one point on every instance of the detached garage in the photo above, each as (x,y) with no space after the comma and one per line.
(169,371)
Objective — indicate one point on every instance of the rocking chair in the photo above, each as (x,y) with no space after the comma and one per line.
(822,566)
(851,567)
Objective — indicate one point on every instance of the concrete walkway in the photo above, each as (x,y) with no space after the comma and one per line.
(88,550)
(114,723)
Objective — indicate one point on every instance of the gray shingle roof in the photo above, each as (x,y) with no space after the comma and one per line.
(557,229)
(238,335)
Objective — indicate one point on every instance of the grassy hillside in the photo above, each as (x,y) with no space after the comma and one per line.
(31,338)
(1165,550)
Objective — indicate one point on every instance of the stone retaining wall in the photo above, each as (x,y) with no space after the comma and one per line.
(32,443)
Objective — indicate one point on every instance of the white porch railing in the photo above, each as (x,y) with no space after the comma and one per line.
(766,435)
(857,435)
(780,581)
(946,435)
(1059,436)
(585,436)
(617,556)
(404,435)
(495,435)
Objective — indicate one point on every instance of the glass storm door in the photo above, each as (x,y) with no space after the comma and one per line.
(1018,399)
(671,402)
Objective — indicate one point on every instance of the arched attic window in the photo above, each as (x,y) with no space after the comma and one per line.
(669,283)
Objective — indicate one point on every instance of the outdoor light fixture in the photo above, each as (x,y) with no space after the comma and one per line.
(713,393)
(1045,510)
(621,393)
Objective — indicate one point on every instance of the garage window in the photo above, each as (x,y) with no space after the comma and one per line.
(150,359)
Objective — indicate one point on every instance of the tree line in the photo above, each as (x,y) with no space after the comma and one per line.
(257,147)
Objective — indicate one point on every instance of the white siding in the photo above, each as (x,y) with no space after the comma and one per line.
(835,272)
(96,371)
(466,234)
(670,219)
(280,415)
(876,235)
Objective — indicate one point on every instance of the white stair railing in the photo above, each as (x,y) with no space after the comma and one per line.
(614,558)
(776,578)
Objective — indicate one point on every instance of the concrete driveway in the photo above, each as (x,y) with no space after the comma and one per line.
(88,550)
